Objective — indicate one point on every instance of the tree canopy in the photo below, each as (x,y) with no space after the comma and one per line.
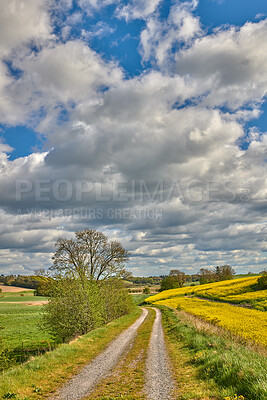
(174,280)
(90,255)
(220,273)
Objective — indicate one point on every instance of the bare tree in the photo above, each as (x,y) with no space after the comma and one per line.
(41,272)
(224,272)
(89,256)
(206,276)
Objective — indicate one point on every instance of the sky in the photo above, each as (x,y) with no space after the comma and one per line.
(144,119)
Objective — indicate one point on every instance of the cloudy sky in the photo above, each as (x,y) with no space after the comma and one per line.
(145,119)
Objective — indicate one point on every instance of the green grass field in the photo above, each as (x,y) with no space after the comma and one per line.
(139,298)
(19,297)
(21,326)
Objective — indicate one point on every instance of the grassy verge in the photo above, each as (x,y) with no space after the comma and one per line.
(45,373)
(208,366)
(128,378)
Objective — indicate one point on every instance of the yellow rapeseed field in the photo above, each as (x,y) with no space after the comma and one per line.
(250,324)
(245,322)
(218,289)
(233,287)
(258,295)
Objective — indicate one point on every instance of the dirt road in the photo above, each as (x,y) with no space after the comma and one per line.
(81,385)
(159,383)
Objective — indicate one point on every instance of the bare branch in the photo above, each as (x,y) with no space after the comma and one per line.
(89,256)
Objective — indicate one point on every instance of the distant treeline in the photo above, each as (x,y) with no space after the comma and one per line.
(40,284)
(156,280)
(151,280)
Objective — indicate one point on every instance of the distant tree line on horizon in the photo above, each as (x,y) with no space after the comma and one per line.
(41,281)
(177,278)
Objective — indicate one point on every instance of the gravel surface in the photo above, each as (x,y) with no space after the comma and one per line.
(84,382)
(159,383)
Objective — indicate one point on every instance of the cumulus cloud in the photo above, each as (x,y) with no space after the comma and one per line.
(159,37)
(138,9)
(154,159)
(70,71)
(13,27)
(15,33)
(231,63)
(91,6)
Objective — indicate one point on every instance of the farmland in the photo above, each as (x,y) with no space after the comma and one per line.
(13,289)
(201,331)
(238,291)
(221,303)
(20,317)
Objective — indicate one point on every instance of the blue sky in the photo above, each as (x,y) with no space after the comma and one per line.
(135,94)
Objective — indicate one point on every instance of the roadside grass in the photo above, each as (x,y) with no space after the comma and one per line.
(210,366)
(127,380)
(43,374)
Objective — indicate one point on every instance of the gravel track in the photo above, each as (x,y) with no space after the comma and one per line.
(84,382)
(159,383)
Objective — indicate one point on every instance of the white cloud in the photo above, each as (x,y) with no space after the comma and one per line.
(70,71)
(138,9)
(101,29)
(14,26)
(90,6)
(15,33)
(231,63)
(159,37)
(59,73)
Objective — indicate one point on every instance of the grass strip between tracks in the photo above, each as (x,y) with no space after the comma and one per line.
(44,374)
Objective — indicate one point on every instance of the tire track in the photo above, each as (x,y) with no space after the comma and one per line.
(159,382)
(84,382)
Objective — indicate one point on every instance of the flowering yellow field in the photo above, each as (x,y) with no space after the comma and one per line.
(258,297)
(218,289)
(232,287)
(250,324)
(235,291)
(246,322)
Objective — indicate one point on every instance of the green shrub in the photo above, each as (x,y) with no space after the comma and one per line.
(146,290)
(169,282)
(262,281)
(76,307)
(115,299)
